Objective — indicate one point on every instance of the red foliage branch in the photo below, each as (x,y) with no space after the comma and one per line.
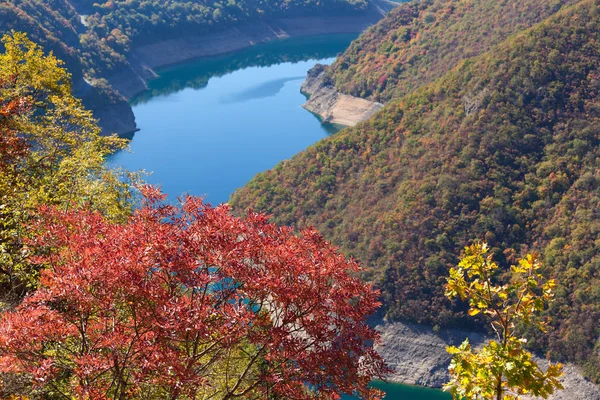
(166,301)
(12,147)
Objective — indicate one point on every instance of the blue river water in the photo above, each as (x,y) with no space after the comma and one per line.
(207,127)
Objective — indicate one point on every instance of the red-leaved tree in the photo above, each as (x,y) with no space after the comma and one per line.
(190,302)
(12,146)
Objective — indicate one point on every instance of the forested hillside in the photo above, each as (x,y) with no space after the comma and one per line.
(503,148)
(94,38)
(418,42)
(56,25)
(131,22)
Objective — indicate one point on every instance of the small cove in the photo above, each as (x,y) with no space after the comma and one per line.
(207,127)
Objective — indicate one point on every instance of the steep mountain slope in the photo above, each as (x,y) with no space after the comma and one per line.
(56,26)
(53,27)
(132,22)
(504,148)
(420,41)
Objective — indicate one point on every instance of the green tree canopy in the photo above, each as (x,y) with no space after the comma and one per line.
(501,369)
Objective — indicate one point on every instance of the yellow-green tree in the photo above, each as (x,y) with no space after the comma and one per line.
(52,154)
(502,368)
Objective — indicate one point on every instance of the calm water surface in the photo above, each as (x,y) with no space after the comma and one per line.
(396,391)
(206,128)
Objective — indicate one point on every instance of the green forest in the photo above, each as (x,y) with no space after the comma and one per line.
(502,146)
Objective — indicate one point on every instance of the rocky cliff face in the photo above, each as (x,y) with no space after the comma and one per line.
(332,106)
(418,356)
(116,118)
(112,110)
(186,48)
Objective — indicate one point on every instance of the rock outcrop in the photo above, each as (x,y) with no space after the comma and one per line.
(332,106)
(417,354)
(111,109)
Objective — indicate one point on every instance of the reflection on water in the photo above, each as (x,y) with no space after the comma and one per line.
(396,391)
(206,128)
(265,89)
(196,74)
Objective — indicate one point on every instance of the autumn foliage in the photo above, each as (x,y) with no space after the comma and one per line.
(501,369)
(190,302)
(12,146)
(420,41)
(505,147)
(51,152)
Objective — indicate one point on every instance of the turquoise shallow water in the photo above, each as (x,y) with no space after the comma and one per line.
(395,391)
(207,127)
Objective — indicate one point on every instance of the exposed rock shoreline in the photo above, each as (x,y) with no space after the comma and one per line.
(332,106)
(145,60)
(418,356)
(110,108)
